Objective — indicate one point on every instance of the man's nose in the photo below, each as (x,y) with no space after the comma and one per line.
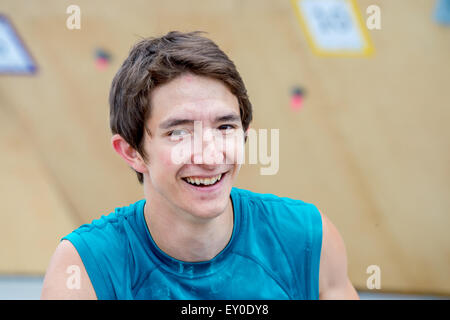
(208,148)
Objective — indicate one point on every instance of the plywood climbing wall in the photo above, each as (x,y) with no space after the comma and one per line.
(370,146)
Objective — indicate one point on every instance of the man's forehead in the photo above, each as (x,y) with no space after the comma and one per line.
(190,87)
(206,104)
(199,107)
(187,77)
(202,107)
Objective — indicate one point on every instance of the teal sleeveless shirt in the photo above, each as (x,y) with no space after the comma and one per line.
(273,253)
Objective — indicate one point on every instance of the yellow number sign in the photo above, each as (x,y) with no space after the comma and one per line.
(333,27)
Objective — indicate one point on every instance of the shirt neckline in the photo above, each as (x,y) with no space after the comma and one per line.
(191,269)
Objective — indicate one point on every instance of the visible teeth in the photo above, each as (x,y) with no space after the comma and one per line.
(206,181)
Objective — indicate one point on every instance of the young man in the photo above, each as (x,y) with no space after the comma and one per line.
(179,114)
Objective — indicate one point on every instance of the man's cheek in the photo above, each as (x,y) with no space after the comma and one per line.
(179,154)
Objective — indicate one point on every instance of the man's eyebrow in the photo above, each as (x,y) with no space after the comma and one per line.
(232,117)
(173,122)
(169,123)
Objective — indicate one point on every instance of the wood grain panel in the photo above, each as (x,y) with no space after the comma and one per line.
(370,147)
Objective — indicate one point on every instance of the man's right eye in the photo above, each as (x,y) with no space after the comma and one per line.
(177,133)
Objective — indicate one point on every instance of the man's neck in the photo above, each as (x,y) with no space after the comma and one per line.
(184,238)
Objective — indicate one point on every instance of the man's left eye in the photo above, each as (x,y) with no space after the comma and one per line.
(226,127)
(178,132)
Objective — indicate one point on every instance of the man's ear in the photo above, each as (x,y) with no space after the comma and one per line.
(128,153)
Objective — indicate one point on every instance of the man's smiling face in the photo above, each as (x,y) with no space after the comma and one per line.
(196,138)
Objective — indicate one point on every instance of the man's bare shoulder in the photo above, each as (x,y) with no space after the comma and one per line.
(333,279)
(66,276)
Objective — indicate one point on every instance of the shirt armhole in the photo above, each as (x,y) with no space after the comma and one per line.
(316,248)
(103,288)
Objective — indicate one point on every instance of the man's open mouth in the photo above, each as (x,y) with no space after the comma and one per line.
(204,182)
